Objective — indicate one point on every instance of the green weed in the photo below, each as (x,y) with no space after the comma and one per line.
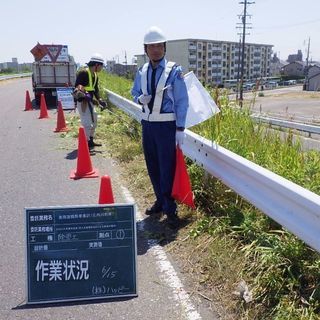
(282,272)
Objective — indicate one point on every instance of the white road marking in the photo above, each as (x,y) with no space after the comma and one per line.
(167,272)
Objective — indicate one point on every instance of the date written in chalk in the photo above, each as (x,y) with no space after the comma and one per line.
(108,273)
(101,290)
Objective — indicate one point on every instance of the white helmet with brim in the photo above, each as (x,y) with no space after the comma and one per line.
(154,35)
(96,58)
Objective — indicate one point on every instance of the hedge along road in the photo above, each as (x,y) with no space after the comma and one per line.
(34,171)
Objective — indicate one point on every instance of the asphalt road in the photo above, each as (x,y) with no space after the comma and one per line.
(34,171)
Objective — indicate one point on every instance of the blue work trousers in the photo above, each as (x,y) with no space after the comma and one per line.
(159,146)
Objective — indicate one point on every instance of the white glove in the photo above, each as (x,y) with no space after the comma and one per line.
(144,99)
(180,135)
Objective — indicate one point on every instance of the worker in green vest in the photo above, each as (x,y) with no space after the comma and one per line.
(87,95)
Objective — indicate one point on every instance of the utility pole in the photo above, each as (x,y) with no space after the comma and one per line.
(244,28)
(306,81)
(308,52)
(238,69)
(126,63)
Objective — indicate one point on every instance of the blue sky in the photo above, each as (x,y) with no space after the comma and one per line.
(114,28)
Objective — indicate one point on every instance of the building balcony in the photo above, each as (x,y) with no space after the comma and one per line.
(192,57)
(192,47)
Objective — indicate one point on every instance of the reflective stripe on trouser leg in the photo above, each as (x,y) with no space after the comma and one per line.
(159,147)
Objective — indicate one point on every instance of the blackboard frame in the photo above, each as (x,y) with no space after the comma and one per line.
(91,249)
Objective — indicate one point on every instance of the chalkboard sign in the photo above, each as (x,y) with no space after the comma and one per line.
(81,252)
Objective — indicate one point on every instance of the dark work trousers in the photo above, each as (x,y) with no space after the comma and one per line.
(159,146)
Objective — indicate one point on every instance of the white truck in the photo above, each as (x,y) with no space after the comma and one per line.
(53,69)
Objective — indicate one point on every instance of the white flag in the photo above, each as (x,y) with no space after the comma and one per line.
(201,105)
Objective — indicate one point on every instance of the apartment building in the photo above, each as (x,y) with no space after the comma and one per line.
(216,61)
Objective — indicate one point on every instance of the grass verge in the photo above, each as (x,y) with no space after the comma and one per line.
(237,259)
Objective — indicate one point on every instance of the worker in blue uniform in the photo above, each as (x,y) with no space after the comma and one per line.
(160,89)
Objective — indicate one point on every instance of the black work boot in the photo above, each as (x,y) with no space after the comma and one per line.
(156,208)
(90,144)
(173,221)
(93,144)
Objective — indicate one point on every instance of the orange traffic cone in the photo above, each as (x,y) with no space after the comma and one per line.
(84,167)
(43,108)
(61,123)
(28,104)
(106,194)
(181,189)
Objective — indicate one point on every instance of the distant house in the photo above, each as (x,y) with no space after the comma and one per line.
(313,70)
(293,69)
(313,78)
(275,67)
(121,69)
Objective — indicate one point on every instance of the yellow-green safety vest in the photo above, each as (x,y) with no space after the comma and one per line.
(91,86)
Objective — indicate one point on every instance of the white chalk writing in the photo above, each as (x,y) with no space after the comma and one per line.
(62,270)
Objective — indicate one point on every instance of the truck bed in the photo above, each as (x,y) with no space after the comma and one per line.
(51,75)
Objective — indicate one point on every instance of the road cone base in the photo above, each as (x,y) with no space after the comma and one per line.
(43,117)
(61,129)
(92,174)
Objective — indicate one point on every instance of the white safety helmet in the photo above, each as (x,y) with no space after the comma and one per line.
(154,35)
(96,58)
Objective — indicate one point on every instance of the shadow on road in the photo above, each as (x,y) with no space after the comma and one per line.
(69,303)
(154,230)
(72,155)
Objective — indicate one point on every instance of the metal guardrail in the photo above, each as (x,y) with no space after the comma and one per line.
(288,124)
(12,76)
(295,208)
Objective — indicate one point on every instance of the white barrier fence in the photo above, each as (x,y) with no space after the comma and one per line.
(295,208)
(18,75)
(288,124)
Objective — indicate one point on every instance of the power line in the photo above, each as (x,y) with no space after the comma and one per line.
(289,25)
